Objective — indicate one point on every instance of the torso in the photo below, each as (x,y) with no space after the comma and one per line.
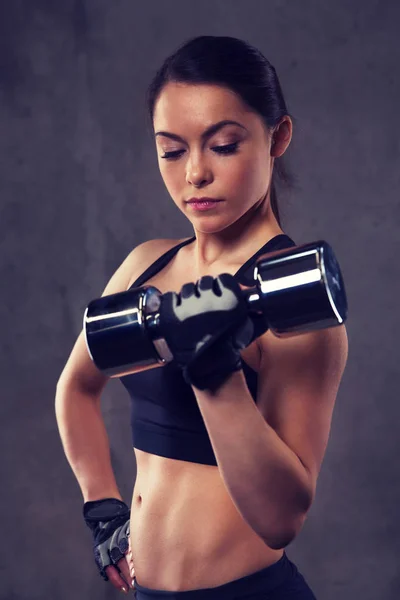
(186,532)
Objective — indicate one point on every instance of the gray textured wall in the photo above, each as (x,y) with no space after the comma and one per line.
(80,188)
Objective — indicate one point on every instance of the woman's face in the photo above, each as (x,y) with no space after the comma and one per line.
(233,163)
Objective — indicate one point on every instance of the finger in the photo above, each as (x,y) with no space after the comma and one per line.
(131,571)
(188,290)
(226,280)
(206,283)
(129,559)
(115,578)
(125,569)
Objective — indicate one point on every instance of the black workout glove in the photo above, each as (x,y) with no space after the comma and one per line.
(108,520)
(205,326)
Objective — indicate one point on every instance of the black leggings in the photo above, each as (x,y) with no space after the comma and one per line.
(280,581)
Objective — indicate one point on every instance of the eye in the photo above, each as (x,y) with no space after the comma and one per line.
(227,149)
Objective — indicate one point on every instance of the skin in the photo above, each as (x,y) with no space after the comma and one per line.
(242,223)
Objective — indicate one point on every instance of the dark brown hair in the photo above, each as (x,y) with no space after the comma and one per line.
(235,64)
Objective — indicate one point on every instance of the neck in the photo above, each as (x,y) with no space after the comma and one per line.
(235,244)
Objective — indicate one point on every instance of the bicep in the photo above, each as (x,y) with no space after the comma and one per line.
(80,370)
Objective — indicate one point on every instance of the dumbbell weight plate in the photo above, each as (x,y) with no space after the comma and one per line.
(119,331)
(300,289)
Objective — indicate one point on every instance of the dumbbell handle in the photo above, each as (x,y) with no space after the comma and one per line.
(297,289)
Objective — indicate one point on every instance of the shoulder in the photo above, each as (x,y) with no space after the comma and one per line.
(79,368)
(147,252)
(143,255)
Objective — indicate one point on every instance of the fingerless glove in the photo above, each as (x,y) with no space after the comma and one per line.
(108,519)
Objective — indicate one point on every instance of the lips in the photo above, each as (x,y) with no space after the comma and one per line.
(204,199)
(202,205)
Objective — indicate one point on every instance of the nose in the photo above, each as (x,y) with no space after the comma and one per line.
(197,172)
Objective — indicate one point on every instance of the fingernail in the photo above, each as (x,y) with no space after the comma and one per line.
(124,590)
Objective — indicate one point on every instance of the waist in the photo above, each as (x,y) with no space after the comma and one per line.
(186,531)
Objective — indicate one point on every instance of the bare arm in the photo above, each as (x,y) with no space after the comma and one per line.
(79,389)
(85,441)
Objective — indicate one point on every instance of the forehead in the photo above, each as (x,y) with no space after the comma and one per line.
(183,105)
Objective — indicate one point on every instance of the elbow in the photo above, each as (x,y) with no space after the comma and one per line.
(288,526)
(280,542)
(285,536)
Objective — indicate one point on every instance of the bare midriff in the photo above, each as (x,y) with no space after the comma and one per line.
(186,532)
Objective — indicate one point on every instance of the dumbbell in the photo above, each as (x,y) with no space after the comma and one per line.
(298,289)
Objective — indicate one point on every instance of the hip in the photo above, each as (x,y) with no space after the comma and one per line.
(279,581)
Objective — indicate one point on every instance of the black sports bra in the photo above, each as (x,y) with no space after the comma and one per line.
(165,417)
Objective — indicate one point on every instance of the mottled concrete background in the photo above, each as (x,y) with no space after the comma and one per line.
(80,187)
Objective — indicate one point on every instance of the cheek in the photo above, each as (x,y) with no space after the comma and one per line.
(246,175)
(171,176)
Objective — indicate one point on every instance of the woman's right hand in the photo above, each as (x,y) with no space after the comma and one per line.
(109,521)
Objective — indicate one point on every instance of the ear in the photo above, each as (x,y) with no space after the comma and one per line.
(281,137)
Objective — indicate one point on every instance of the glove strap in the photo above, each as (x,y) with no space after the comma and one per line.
(104,510)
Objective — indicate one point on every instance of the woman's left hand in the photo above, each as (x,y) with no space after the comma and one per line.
(205,326)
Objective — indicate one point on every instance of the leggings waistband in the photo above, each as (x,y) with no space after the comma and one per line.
(264,580)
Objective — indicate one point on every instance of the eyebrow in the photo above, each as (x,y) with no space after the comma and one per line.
(206,134)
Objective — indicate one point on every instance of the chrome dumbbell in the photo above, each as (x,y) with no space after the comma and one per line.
(298,289)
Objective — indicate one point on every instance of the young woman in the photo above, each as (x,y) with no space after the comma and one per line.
(225,478)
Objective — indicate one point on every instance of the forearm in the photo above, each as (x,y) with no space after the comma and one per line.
(266,480)
(85,442)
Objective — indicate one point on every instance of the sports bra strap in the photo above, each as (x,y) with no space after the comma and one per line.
(160,263)
(244,275)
